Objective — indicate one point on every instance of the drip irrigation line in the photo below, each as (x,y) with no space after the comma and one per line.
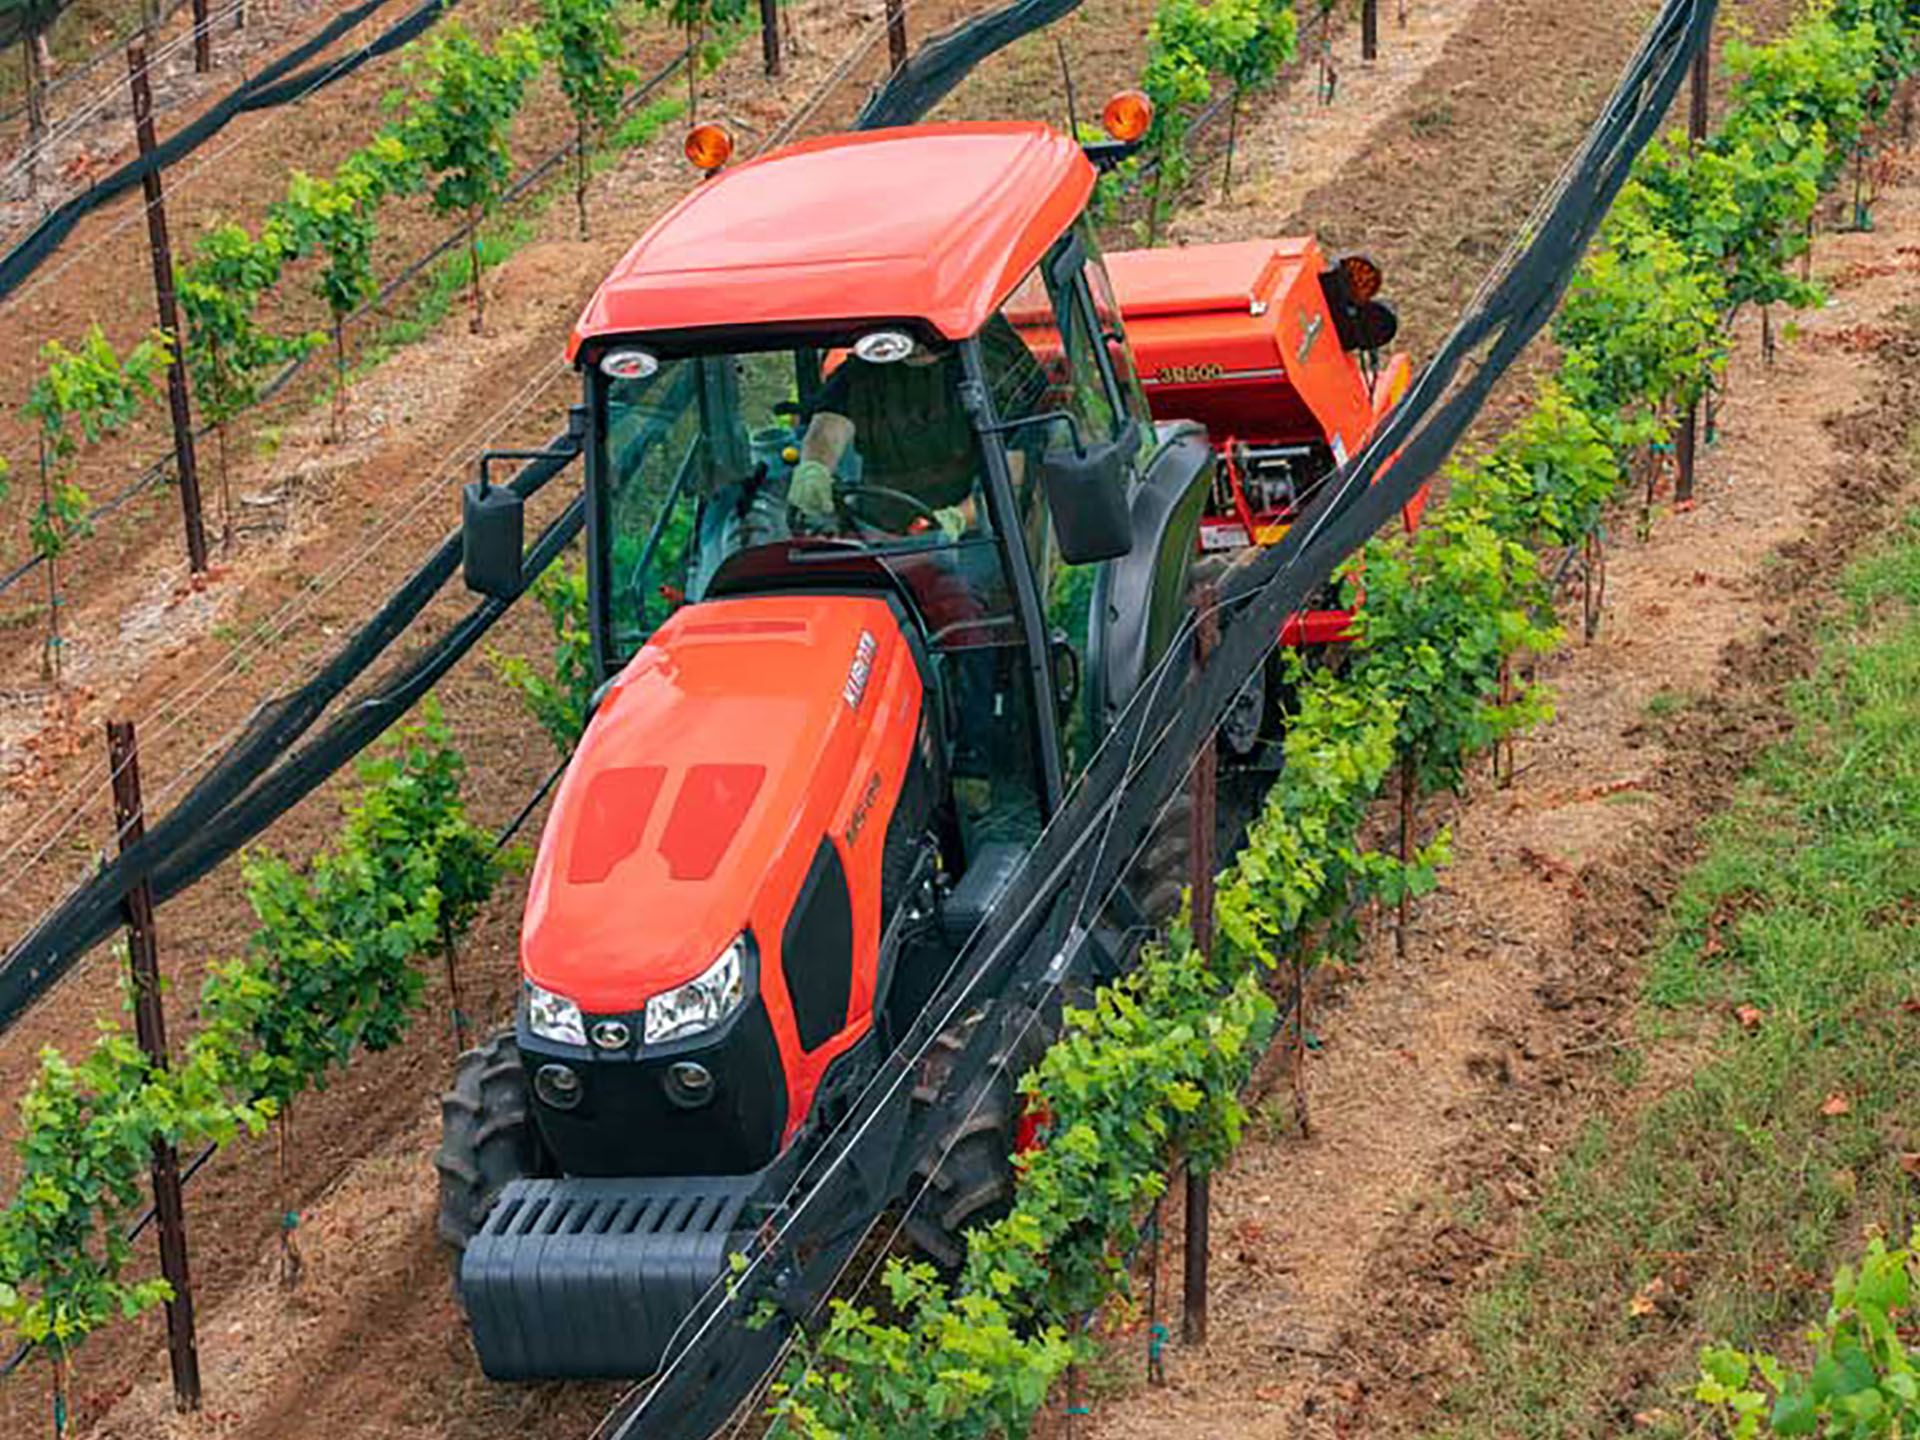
(512,827)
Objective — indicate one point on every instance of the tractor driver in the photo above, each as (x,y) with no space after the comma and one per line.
(912,435)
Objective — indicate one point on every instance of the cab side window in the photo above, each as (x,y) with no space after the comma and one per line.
(1113,336)
(1062,381)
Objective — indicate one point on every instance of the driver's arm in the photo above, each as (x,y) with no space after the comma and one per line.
(827,438)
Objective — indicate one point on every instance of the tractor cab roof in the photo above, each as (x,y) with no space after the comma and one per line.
(936,223)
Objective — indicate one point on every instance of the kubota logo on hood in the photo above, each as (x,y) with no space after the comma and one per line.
(860,671)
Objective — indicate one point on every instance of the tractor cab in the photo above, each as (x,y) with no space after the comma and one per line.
(797,385)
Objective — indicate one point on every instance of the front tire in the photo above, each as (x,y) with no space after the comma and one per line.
(487,1138)
(967,1178)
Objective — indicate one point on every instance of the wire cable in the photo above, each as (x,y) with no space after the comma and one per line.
(183,701)
(69,124)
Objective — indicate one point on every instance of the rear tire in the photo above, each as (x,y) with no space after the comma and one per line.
(487,1138)
(1163,869)
(968,1178)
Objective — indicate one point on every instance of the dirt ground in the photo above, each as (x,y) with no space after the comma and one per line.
(1485,93)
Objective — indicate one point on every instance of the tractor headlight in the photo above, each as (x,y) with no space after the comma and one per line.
(704,1001)
(554,1017)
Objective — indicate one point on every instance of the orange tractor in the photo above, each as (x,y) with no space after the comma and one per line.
(895,492)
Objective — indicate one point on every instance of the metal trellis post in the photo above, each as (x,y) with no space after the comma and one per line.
(150,1024)
(169,314)
(1193,1318)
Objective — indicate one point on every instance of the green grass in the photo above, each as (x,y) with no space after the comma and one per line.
(1737,1188)
(1666,703)
(439,290)
(641,126)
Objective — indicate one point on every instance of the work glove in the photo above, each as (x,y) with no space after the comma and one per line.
(952,521)
(811,489)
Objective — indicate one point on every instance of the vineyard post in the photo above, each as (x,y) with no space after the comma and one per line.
(1685,444)
(896,33)
(202,39)
(770,35)
(36,106)
(150,1024)
(1193,1316)
(1370,29)
(169,316)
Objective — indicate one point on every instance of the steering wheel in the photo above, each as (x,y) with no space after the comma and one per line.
(846,500)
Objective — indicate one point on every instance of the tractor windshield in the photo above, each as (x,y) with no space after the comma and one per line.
(705,459)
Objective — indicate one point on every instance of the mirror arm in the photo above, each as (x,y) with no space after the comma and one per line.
(1001,427)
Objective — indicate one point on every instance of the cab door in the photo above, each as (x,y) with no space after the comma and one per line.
(1064,316)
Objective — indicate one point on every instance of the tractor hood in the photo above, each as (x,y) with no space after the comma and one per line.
(746,735)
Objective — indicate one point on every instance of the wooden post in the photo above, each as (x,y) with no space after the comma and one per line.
(1370,29)
(770,35)
(202,39)
(897,33)
(1409,777)
(169,317)
(1193,1316)
(1685,444)
(36,107)
(150,1023)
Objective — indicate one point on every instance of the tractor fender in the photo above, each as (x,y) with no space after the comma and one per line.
(1140,599)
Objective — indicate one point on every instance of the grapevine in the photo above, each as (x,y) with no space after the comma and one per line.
(81,397)
(227,351)
(465,96)
(584,40)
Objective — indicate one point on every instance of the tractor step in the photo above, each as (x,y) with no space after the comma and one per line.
(588,1279)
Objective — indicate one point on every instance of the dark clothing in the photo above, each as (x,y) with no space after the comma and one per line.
(908,424)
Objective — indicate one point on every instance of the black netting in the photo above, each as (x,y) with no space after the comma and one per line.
(1036,930)
(262,775)
(278,84)
(944,60)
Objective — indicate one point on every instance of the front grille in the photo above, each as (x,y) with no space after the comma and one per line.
(626,1124)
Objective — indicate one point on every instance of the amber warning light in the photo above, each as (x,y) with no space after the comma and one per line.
(1363,277)
(708,147)
(1127,115)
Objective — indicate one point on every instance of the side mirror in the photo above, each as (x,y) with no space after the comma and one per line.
(1087,497)
(493,533)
